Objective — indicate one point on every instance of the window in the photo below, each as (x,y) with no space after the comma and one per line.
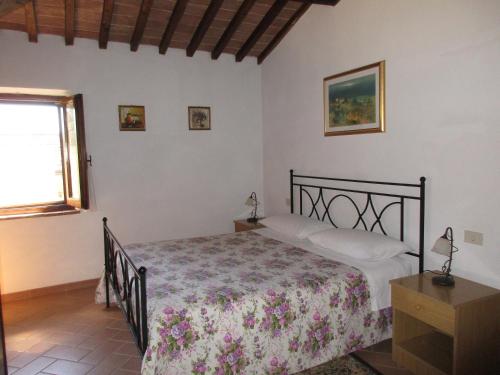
(43,162)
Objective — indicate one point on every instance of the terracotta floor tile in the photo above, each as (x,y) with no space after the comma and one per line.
(111,363)
(68,334)
(119,324)
(35,366)
(110,332)
(67,352)
(69,327)
(22,359)
(62,367)
(41,347)
(128,348)
(92,330)
(91,342)
(121,335)
(14,332)
(124,372)
(101,371)
(133,364)
(65,338)
(11,354)
(102,352)
(20,345)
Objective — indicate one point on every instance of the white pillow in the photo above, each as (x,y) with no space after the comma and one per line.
(359,244)
(295,225)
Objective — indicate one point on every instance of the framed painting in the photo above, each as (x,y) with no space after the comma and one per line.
(132,117)
(199,118)
(354,101)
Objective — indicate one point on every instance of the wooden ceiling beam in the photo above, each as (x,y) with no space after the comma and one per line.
(69,22)
(107,14)
(31,25)
(281,34)
(7,6)
(202,28)
(320,2)
(140,24)
(176,16)
(261,28)
(232,27)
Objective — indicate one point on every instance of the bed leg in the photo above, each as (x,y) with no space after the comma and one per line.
(144,311)
(107,290)
(106,261)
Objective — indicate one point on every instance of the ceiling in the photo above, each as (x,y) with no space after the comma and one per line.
(238,27)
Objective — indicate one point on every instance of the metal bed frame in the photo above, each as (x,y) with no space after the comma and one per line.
(129,290)
(319,203)
(129,282)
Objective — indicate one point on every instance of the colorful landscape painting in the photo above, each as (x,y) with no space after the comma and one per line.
(352,102)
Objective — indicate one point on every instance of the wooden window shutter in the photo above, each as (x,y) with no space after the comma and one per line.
(75,153)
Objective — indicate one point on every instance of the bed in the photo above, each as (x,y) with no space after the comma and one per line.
(260,302)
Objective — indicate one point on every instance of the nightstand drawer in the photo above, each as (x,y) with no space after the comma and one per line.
(426,309)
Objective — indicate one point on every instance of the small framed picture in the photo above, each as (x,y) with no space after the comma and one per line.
(132,117)
(199,118)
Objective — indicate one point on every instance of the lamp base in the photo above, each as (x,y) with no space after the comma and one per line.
(445,280)
(252,219)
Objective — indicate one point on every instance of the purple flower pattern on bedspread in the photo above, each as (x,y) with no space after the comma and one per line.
(243,303)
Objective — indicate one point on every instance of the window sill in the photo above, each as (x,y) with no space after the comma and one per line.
(54,211)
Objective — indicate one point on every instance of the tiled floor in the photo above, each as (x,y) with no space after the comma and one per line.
(67,334)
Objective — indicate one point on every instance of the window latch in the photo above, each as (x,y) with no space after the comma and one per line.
(89,160)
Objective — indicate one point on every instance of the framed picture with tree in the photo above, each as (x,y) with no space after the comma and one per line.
(199,118)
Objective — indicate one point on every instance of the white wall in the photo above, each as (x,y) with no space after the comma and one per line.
(443,83)
(163,183)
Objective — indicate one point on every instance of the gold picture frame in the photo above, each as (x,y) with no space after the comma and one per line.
(354,101)
(199,118)
(132,117)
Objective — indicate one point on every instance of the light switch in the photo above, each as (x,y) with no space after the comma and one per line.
(474,238)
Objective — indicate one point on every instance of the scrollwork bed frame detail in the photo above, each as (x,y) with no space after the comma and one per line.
(129,286)
(318,202)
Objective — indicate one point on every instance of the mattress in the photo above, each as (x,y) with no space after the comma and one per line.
(249,303)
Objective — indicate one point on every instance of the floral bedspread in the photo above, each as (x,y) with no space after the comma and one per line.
(243,303)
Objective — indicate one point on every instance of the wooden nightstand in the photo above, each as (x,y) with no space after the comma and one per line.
(445,330)
(242,225)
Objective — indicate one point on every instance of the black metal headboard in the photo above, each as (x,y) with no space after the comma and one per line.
(314,193)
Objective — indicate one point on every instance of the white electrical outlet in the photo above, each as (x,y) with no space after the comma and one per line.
(474,238)
(288,202)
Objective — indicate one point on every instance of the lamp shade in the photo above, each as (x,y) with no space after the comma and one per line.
(250,201)
(442,246)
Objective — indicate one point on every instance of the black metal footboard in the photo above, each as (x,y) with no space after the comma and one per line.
(129,286)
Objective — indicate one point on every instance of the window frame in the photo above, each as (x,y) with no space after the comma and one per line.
(68,205)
